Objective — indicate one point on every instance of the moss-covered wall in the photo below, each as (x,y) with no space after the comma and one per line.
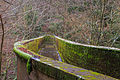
(101,59)
(33,44)
(62,71)
(71,53)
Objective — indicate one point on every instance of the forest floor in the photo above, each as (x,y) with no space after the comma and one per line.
(9,60)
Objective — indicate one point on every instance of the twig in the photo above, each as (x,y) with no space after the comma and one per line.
(115,40)
(2,40)
(7,6)
(7,2)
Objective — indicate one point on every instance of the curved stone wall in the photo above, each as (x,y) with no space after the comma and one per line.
(101,59)
(44,68)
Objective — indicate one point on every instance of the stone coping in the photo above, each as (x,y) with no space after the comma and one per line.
(101,47)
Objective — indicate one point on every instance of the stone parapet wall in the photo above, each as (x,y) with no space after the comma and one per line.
(101,59)
(38,67)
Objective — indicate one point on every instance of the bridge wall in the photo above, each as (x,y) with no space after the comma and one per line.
(49,69)
(104,60)
(33,44)
(35,74)
(32,66)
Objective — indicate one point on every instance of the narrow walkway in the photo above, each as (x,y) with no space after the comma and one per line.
(48,49)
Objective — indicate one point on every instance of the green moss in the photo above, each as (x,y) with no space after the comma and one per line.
(29,66)
(93,58)
(81,71)
(94,73)
(90,77)
(90,57)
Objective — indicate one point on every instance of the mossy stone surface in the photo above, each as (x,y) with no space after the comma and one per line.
(102,60)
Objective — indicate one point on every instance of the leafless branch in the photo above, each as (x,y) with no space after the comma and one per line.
(7,2)
(2,40)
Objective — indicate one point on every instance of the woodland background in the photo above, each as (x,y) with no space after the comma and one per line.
(95,22)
